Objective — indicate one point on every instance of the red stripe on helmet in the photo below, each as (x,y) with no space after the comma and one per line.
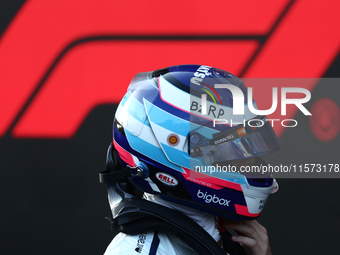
(124,155)
(211,182)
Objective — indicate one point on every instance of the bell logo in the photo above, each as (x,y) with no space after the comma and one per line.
(209,198)
(167,179)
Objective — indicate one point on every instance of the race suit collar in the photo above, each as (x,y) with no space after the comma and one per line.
(207,221)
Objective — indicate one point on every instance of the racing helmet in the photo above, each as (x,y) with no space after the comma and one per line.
(177,126)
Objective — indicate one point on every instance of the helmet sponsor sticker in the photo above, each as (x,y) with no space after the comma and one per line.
(212,198)
(262,203)
(199,181)
(242,131)
(167,179)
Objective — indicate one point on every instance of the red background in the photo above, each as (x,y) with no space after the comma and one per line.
(64,66)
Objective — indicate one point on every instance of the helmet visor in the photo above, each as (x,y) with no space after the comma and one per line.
(253,138)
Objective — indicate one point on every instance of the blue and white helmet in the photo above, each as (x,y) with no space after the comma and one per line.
(180,126)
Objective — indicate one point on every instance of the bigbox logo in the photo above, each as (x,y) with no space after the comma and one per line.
(212,198)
